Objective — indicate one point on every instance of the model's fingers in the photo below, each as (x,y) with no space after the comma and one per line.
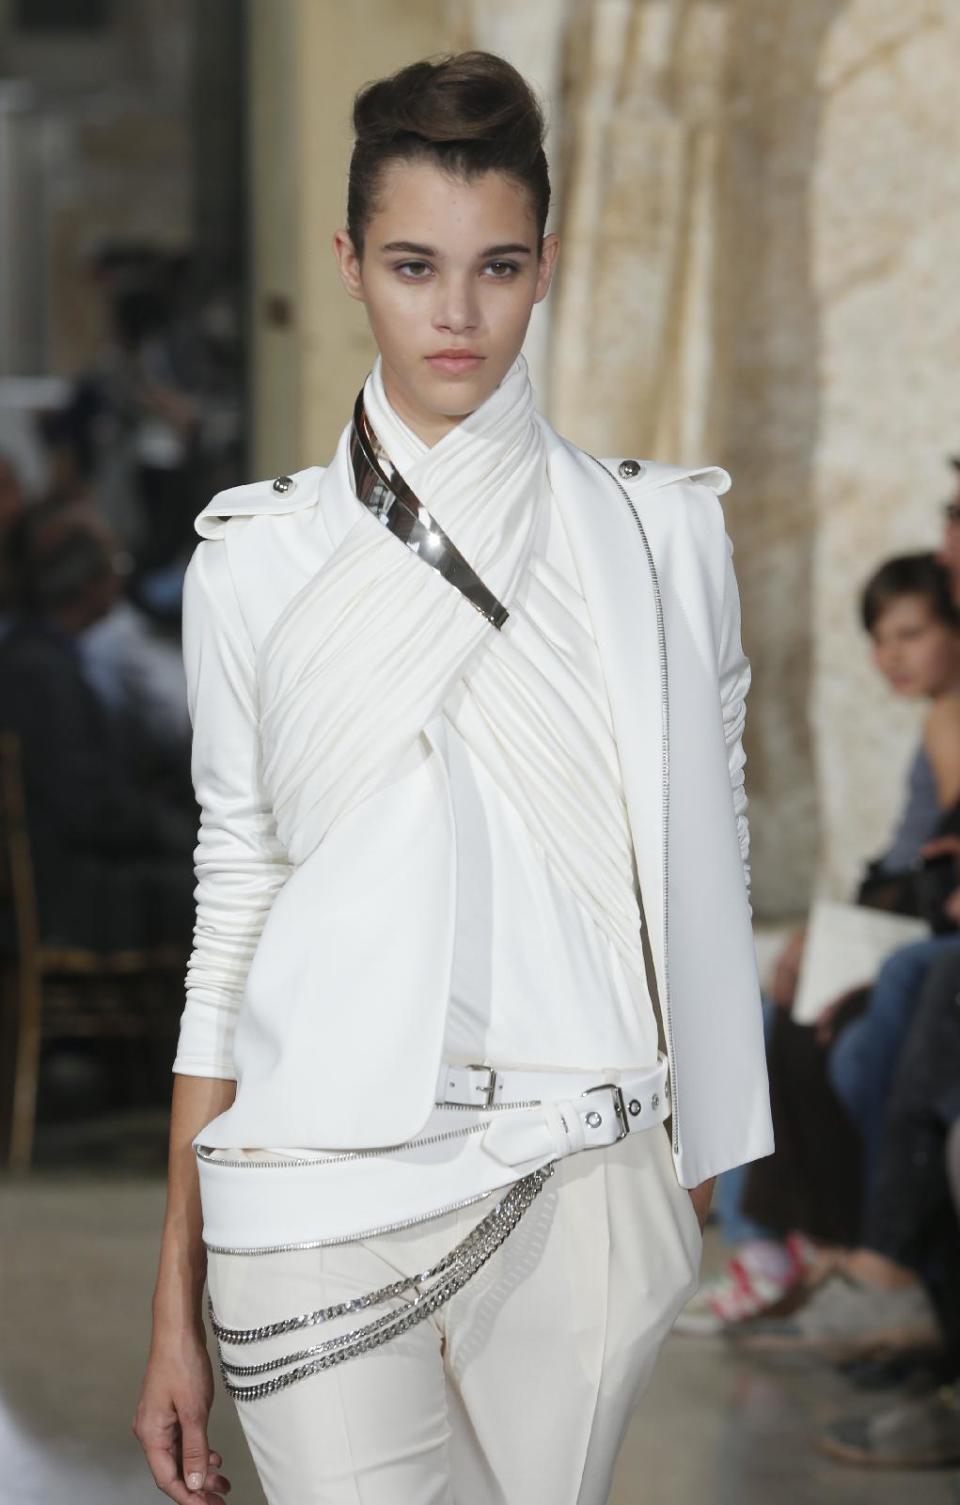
(166,1475)
(194,1451)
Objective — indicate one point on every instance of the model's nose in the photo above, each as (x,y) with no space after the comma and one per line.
(456,308)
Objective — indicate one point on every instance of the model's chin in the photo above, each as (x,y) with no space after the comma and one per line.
(456,396)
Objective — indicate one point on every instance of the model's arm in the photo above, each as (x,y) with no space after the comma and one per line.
(240,863)
(240,867)
(171,1417)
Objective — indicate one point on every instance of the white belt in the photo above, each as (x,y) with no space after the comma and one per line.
(557,1112)
(535,1117)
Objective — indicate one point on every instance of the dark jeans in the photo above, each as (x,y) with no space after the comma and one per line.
(863,1060)
(911,1217)
(912,1191)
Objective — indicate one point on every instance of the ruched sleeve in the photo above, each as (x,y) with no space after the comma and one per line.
(239,862)
(734,672)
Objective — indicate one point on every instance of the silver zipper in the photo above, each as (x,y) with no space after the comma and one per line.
(665,757)
(376,1153)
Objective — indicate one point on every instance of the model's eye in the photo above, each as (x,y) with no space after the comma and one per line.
(503,270)
(413,269)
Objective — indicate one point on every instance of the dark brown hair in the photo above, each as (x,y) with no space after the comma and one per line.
(909,575)
(468,112)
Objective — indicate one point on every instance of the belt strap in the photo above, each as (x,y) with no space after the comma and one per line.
(558,1112)
(481,1086)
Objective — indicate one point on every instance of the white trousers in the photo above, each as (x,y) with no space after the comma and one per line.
(518,1391)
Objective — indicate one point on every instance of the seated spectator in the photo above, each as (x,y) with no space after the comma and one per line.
(139,670)
(814,1181)
(901,1288)
(111,818)
(862,1055)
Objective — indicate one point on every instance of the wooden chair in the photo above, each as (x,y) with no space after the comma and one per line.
(59,991)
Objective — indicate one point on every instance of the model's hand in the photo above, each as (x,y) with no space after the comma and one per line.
(701,1196)
(941,846)
(171,1419)
(825,1024)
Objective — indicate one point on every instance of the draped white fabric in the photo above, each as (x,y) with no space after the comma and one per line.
(378,641)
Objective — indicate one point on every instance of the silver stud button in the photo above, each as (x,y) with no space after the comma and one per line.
(629,469)
(594,1120)
(655,1101)
(634,1106)
(284,483)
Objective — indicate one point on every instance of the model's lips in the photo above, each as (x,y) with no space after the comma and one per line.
(455,362)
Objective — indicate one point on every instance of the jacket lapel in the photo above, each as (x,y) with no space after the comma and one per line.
(619,585)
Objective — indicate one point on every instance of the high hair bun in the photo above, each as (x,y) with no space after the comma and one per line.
(471,96)
(470,112)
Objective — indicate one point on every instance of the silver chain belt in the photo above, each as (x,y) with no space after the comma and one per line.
(434,1287)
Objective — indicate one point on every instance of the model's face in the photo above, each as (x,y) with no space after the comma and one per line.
(449,277)
(916,653)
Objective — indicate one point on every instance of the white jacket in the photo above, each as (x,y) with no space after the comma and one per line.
(336,1040)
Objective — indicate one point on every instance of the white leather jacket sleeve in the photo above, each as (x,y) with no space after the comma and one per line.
(734,671)
(239,862)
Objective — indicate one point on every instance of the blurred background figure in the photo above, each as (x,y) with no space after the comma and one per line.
(110,809)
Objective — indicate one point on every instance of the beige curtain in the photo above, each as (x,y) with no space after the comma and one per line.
(633,349)
(623,351)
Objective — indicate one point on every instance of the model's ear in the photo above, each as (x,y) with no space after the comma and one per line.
(548,260)
(348,264)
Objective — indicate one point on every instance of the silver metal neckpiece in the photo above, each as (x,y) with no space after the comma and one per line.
(393,503)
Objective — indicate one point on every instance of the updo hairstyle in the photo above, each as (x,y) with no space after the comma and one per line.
(469,112)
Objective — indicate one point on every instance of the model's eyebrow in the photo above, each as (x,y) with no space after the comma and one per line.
(413,249)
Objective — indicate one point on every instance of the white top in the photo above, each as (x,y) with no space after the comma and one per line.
(531,966)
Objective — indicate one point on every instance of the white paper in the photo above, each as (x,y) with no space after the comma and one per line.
(845,948)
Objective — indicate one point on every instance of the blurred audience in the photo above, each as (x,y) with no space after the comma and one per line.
(899,1289)
(153,428)
(110,809)
(848,1237)
(830,1083)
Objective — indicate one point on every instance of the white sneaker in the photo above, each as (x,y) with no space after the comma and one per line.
(735,1295)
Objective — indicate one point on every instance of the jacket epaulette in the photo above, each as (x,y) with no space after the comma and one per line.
(649,475)
(276,495)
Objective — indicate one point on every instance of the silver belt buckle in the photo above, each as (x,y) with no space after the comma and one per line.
(491,1085)
(619,1106)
